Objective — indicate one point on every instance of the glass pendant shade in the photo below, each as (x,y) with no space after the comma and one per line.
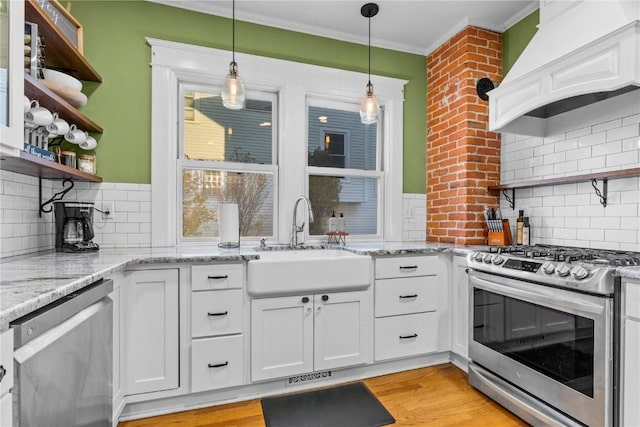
(369,107)
(233,90)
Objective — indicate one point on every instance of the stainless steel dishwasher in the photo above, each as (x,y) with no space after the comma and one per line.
(64,361)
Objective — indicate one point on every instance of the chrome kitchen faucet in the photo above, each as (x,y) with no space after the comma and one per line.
(294,227)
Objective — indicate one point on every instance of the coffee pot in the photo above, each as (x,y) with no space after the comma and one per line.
(74,226)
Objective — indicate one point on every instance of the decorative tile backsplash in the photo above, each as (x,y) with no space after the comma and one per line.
(129,225)
(571,214)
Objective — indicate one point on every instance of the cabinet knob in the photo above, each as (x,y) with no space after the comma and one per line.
(325,297)
(305,300)
(3,372)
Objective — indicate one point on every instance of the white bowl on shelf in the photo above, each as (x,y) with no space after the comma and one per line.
(64,80)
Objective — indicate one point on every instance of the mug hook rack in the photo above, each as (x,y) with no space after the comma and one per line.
(57,196)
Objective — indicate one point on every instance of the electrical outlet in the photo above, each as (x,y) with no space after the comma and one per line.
(106,208)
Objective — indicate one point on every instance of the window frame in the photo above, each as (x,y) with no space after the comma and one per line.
(174,63)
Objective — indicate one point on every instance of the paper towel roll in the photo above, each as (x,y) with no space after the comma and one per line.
(229,223)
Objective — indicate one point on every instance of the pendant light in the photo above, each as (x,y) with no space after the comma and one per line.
(369,105)
(233,90)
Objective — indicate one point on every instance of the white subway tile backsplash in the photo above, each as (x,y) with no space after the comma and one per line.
(572,214)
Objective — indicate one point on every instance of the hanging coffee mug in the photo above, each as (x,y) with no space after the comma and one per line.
(27,104)
(89,144)
(37,115)
(75,135)
(58,126)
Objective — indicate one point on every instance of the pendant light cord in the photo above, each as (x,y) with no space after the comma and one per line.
(369,50)
(233,30)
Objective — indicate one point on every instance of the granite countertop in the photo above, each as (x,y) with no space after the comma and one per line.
(629,272)
(30,282)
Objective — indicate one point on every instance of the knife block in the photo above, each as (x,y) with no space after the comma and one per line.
(501,238)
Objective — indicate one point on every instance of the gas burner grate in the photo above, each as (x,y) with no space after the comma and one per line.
(600,257)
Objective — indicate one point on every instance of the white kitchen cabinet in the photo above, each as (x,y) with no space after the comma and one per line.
(630,411)
(151,325)
(6,378)
(460,307)
(410,297)
(300,334)
(11,78)
(118,384)
(217,326)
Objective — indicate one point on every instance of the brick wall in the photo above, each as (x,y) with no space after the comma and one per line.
(463,157)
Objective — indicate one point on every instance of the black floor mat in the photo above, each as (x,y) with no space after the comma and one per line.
(351,405)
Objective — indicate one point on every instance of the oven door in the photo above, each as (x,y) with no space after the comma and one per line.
(554,344)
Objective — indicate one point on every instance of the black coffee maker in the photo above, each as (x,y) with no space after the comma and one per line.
(74,226)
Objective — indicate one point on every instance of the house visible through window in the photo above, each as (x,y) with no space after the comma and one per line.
(334,145)
(227,157)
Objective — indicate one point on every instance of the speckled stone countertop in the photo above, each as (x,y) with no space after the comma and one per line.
(629,272)
(31,282)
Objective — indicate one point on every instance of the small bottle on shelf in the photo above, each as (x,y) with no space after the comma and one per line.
(526,235)
(519,227)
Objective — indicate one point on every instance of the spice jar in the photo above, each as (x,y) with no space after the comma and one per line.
(68,158)
(87,163)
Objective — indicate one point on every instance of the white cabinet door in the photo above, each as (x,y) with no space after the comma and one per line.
(460,306)
(6,378)
(631,374)
(341,329)
(152,346)
(6,410)
(12,78)
(281,337)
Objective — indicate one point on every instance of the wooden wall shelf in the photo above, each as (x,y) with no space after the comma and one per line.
(60,53)
(28,164)
(593,177)
(33,89)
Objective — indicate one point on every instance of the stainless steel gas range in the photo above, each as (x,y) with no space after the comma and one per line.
(544,324)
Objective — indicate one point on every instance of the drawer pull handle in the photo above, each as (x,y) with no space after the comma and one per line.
(226,276)
(408,296)
(408,337)
(408,267)
(218,365)
(3,372)
(224,313)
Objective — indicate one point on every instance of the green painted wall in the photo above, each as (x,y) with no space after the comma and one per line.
(516,38)
(114,43)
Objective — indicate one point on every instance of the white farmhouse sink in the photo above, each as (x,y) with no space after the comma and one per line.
(307,271)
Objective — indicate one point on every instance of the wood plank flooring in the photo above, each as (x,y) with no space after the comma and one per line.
(433,396)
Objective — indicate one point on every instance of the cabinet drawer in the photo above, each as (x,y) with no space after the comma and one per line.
(408,335)
(406,266)
(405,296)
(6,360)
(216,363)
(224,276)
(216,313)
(632,300)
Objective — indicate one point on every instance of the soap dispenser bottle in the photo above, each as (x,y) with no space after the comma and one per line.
(333,222)
(341,223)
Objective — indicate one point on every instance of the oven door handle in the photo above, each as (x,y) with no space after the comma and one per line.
(536,297)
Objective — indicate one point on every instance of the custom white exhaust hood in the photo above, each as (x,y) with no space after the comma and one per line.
(584,52)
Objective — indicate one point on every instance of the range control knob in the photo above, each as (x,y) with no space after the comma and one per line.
(478,256)
(579,272)
(563,269)
(487,258)
(548,267)
(497,260)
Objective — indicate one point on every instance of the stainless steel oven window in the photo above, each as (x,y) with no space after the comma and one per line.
(557,344)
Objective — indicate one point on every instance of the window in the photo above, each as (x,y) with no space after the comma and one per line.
(227,157)
(344,171)
(265,153)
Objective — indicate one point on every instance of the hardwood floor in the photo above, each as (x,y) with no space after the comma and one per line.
(434,396)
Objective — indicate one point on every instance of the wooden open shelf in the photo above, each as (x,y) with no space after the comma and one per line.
(28,164)
(33,89)
(570,179)
(60,53)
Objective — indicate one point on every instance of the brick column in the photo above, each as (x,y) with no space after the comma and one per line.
(463,157)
